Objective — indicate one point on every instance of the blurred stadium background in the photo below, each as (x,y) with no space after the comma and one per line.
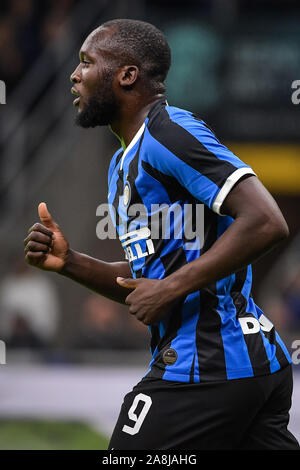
(71,355)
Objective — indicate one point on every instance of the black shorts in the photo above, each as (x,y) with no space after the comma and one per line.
(249,413)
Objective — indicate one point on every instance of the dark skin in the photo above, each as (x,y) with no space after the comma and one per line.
(133,106)
(258,222)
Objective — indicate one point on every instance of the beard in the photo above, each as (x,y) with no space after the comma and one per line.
(101,109)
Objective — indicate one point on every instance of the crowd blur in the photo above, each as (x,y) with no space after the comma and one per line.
(107,325)
(283,303)
(29,307)
(31,315)
(26,28)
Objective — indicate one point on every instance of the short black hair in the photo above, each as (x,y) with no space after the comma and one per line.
(141,44)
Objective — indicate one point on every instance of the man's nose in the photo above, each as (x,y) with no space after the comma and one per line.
(75,77)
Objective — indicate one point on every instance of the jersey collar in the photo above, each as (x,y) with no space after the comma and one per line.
(161,101)
(132,143)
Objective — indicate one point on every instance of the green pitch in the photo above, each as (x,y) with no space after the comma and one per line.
(49,435)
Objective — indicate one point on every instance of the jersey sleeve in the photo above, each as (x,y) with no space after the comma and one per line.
(188,150)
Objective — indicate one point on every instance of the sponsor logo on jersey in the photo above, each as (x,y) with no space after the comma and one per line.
(250,325)
(137,243)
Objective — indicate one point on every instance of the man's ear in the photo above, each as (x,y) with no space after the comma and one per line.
(128,75)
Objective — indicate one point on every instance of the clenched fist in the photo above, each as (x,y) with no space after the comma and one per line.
(45,246)
(150,299)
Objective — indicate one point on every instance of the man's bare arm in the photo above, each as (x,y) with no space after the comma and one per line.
(258,226)
(47,248)
(97,275)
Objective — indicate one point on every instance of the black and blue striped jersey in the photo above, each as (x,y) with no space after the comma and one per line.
(175,161)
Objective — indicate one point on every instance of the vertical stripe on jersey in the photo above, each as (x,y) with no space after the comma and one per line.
(268,341)
(155,338)
(268,338)
(286,359)
(252,347)
(192,371)
(184,342)
(139,196)
(131,168)
(191,254)
(282,357)
(154,355)
(255,342)
(171,262)
(237,365)
(209,342)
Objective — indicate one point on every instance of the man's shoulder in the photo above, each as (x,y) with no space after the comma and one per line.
(166,114)
(172,123)
(177,129)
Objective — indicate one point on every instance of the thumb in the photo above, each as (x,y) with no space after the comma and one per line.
(45,216)
(129,283)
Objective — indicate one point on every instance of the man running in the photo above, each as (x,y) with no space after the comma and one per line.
(220,376)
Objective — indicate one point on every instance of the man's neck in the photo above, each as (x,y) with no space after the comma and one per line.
(133,114)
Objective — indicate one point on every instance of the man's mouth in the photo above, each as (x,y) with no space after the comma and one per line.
(76,101)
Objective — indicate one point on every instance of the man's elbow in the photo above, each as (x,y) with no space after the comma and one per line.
(277,229)
(285,232)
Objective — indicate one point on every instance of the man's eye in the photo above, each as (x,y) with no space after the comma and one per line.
(85,62)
